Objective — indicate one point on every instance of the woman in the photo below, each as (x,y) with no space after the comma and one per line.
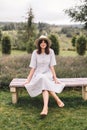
(42,77)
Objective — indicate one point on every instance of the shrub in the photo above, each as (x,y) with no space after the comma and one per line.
(73,41)
(6,45)
(30,45)
(13,67)
(17,67)
(69,35)
(81,45)
(0,35)
(55,44)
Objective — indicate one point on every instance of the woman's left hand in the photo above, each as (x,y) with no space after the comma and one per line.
(26,82)
(56,81)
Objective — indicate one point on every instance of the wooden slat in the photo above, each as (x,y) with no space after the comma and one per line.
(69,82)
(17,82)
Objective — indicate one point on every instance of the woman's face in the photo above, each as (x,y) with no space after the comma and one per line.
(43,44)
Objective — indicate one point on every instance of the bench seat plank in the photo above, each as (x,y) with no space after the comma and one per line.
(69,82)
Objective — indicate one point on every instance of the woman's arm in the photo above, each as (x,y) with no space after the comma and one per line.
(30,75)
(54,74)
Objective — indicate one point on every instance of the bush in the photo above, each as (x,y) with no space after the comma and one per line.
(0,35)
(73,41)
(30,45)
(71,67)
(6,45)
(17,67)
(55,44)
(81,45)
(13,67)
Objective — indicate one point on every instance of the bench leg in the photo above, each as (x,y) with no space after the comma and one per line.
(84,92)
(14,92)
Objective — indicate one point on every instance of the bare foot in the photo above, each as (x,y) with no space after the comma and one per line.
(44,112)
(60,103)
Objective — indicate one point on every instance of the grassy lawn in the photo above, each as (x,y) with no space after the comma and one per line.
(25,114)
(16,52)
(68,53)
(62,53)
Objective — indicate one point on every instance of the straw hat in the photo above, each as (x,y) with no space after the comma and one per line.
(43,37)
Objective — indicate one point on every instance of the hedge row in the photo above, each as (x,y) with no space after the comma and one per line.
(17,66)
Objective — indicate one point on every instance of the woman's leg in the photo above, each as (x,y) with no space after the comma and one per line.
(59,102)
(45,95)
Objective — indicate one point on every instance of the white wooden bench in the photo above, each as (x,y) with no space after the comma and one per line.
(17,83)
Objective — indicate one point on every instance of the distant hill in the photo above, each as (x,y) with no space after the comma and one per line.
(47,24)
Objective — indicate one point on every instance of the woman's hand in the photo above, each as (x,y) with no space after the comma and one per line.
(54,75)
(56,81)
(26,82)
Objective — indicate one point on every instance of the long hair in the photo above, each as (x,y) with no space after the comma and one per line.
(39,48)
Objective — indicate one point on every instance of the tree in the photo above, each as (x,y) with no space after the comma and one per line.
(6,45)
(79,13)
(73,41)
(81,45)
(55,44)
(0,35)
(30,25)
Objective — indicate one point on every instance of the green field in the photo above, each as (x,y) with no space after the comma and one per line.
(25,115)
(62,53)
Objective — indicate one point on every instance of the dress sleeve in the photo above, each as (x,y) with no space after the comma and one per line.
(52,59)
(33,60)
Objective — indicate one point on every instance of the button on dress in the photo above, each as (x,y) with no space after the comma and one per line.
(42,78)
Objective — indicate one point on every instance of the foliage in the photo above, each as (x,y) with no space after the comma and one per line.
(30,45)
(43,28)
(55,44)
(81,45)
(5,26)
(69,31)
(6,45)
(0,35)
(17,67)
(19,36)
(21,40)
(30,26)
(73,41)
(13,66)
(10,26)
(79,13)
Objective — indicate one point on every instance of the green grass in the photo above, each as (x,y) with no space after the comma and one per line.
(25,114)
(16,52)
(68,53)
(64,53)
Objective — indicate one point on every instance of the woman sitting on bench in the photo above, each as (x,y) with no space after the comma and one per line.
(42,77)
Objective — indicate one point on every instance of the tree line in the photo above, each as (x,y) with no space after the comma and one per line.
(30,31)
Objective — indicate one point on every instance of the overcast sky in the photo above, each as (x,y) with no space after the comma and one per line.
(49,11)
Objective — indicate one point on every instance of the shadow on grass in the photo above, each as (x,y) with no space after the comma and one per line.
(26,102)
(37,102)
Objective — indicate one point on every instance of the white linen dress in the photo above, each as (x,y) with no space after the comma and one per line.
(42,78)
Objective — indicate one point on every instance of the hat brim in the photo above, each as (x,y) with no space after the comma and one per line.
(37,41)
